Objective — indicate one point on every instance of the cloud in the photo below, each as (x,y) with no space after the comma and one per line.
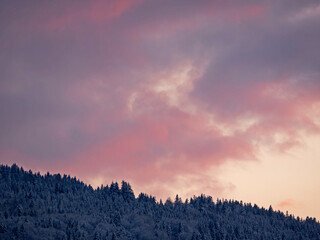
(162,144)
(156,93)
(286,203)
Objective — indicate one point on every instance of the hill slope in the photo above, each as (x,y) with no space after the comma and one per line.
(33,206)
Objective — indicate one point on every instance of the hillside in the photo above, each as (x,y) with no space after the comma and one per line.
(34,206)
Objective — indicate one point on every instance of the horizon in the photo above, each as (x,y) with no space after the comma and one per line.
(163,201)
(175,97)
(158,201)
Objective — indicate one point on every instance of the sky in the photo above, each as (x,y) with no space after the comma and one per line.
(176,97)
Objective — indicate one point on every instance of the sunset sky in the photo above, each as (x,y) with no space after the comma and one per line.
(175,96)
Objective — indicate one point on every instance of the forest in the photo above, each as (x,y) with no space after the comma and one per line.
(35,206)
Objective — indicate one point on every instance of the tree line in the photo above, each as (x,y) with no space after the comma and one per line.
(35,206)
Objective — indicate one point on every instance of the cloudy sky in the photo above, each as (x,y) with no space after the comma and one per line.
(174,96)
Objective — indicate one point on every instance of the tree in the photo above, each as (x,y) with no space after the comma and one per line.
(126,191)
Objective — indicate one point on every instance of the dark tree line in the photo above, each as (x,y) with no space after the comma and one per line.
(34,206)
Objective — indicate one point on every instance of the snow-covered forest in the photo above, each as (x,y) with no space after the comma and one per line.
(35,206)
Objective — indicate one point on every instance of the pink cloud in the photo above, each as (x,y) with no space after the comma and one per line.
(286,203)
(159,145)
(67,108)
(70,16)
(277,106)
